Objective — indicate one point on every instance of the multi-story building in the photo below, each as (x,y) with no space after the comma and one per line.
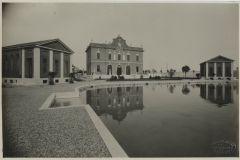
(116,58)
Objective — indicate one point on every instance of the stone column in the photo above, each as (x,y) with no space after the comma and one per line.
(215,70)
(23,63)
(215,91)
(223,70)
(206,91)
(71,62)
(62,65)
(36,62)
(206,70)
(51,61)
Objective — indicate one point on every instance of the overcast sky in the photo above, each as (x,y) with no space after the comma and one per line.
(177,34)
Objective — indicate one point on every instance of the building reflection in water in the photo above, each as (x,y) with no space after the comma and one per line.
(220,94)
(116,102)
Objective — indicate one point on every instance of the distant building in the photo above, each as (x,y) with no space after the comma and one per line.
(29,63)
(221,66)
(116,58)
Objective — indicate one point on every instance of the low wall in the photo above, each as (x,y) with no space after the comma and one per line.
(33,81)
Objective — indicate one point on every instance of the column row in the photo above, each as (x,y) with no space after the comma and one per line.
(36,63)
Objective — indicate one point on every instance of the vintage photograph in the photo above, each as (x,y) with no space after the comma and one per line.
(120,80)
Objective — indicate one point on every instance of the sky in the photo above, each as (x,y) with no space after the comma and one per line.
(171,34)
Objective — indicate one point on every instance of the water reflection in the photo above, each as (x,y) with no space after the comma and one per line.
(171,88)
(116,102)
(185,89)
(220,94)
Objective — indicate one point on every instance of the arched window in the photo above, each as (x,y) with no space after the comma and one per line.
(119,56)
(137,57)
(128,57)
(98,55)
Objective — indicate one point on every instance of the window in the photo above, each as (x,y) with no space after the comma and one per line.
(128,57)
(44,65)
(211,68)
(119,56)
(11,62)
(98,55)
(6,62)
(219,69)
(98,68)
(17,62)
(56,66)
(98,91)
(109,56)
(137,58)
(66,66)
(109,101)
(227,69)
(136,69)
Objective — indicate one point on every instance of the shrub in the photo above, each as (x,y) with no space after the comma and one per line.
(112,77)
(150,77)
(123,78)
(51,77)
(115,77)
(141,77)
(99,77)
(211,78)
(198,75)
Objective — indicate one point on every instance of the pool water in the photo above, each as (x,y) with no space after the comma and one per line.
(169,120)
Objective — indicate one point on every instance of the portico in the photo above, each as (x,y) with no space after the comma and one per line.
(30,63)
(217,68)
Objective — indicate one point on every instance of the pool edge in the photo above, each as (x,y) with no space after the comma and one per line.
(111,143)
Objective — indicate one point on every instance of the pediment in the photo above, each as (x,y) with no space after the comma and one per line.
(56,45)
(220,59)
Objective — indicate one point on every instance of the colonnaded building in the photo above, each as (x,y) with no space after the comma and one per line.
(29,63)
(116,58)
(219,67)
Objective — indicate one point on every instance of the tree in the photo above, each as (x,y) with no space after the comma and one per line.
(153,71)
(185,89)
(171,72)
(185,69)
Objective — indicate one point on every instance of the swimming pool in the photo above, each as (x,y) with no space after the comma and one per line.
(175,120)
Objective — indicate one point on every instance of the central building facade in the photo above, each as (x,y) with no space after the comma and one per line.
(116,58)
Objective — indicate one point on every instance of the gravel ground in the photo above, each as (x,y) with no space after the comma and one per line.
(29,132)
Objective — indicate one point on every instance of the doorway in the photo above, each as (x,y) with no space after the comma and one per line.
(128,70)
(109,70)
(30,67)
(119,70)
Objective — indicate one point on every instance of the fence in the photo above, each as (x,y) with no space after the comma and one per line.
(176,74)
